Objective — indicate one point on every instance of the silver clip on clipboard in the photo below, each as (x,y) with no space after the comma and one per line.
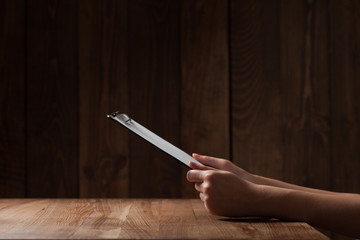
(152,138)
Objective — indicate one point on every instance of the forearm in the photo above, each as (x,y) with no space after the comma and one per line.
(276,183)
(339,213)
(225,165)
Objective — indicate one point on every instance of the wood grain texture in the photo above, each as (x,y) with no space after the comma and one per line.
(51,97)
(280,101)
(204,80)
(153,71)
(134,219)
(293,112)
(103,144)
(345,98)
(304,75)
(12,102)
(255,87)
(318,144)
(344,65)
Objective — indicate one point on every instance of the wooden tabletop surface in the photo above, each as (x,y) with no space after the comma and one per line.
(135,219)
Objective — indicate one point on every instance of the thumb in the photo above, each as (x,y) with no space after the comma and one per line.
(197,166)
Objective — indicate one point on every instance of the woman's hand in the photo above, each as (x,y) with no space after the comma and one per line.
(220,164)
(212,163)
(225,193)
(228,190)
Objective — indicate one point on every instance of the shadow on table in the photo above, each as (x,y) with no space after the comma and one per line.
(249,219)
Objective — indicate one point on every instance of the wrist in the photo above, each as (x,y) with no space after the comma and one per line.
(282,203)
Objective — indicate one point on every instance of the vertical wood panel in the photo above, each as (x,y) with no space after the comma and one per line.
(52,99)
(256,101)
(12,104)
(295,88)
(280,103)
(154,94)
(305,117)
(104,159)
(204,80)
(345,98)
(317,88)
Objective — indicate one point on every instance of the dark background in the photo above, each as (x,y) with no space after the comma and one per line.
(272,85)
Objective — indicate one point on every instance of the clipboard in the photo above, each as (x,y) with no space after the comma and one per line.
(152,138)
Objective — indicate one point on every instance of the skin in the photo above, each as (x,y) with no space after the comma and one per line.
(228,190)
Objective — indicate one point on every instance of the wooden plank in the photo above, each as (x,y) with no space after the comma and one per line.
(103,88)
(153,71)
(280,100)
(12,102)
(256,97)
(317,89)
(135,219)
(204,81)
(344,65)
(52,99)
(345,99)
(304,82)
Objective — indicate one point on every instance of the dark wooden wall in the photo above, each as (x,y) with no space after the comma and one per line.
(272,85)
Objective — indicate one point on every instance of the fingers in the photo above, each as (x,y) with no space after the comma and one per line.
(202,197)
(217,163)
(198,187)
(195,176)
(197,166)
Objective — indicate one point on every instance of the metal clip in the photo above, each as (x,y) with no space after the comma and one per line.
(125,118)
(120,116)
(113,114)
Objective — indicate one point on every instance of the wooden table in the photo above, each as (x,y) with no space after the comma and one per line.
(134,219)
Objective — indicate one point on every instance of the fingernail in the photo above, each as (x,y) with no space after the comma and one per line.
(195,155)
(192,164)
